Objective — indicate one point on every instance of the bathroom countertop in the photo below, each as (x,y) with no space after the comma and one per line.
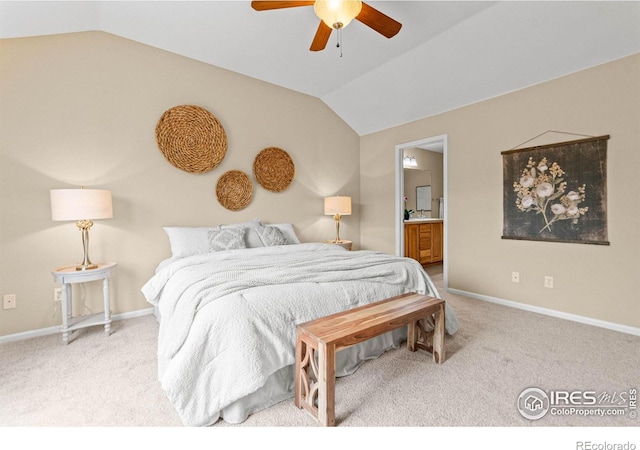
(425,220)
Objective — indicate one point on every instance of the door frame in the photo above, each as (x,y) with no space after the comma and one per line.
(399,193)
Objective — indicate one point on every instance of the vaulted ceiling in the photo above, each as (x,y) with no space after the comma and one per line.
(448,54)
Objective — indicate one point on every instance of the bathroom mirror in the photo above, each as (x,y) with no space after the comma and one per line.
(423,198)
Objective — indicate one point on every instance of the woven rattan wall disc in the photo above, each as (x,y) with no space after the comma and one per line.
(234,190)
(191,138)
(274,169)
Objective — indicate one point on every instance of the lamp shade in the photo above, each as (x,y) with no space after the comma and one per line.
(337,13)
(80,204)
(337,205)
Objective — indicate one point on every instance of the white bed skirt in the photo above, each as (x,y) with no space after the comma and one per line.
(281,384)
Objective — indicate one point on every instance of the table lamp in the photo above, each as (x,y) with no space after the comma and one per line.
(337,207)
(82,205)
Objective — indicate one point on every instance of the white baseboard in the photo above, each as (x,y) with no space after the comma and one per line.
(550,312)
(537,309)
(56,329)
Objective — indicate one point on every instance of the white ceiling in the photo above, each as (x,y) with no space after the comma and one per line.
(448,54)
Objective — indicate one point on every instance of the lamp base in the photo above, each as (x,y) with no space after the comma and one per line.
(84,226)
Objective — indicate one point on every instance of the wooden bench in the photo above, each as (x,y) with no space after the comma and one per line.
(319,340)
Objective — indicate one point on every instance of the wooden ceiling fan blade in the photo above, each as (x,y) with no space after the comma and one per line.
(267,5)
(321,38)
(378,21)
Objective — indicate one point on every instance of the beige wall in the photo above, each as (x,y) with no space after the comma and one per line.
(81,109)
(599,282)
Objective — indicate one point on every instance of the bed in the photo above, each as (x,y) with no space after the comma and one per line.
(228,301)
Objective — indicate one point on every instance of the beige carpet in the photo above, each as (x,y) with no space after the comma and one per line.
(99,381)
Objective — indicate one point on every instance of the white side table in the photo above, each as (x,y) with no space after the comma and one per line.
(342,243)
(69,275)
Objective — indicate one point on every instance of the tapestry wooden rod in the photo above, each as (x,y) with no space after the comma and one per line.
(557,144)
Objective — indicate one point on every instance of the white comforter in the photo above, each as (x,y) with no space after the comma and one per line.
(228,318)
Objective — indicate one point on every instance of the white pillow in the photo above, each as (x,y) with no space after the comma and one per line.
(271,236)
(187,241)
(231,238)
(288,232)
(251,238)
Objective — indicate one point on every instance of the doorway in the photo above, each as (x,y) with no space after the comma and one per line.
(435,144)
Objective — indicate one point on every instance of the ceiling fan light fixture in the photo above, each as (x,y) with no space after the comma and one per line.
(337,14)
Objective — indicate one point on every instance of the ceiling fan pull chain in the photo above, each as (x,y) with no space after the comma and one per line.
(339,44)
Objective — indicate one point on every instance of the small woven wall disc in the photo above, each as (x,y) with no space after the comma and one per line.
(191,138)
(234,190)
(274,169)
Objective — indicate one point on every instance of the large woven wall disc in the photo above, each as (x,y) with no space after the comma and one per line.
(274,169)
(191,138)
(234,190)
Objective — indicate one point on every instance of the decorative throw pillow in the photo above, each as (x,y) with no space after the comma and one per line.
(226,239)
(251,237)
(271,236)
(287,230)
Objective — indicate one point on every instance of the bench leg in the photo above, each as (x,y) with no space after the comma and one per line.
(412,336)
(301,350)
(432,341)
(327,384)
(438,336)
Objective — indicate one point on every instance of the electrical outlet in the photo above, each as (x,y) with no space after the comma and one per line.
(548,282)
(9,301)
(57,294)
(515,277)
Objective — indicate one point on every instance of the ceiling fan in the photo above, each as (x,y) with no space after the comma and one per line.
(335,15)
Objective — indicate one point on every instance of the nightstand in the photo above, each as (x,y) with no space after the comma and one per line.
(68,276)
(342,243)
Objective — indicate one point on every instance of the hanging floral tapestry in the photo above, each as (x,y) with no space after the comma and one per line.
(557,192)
